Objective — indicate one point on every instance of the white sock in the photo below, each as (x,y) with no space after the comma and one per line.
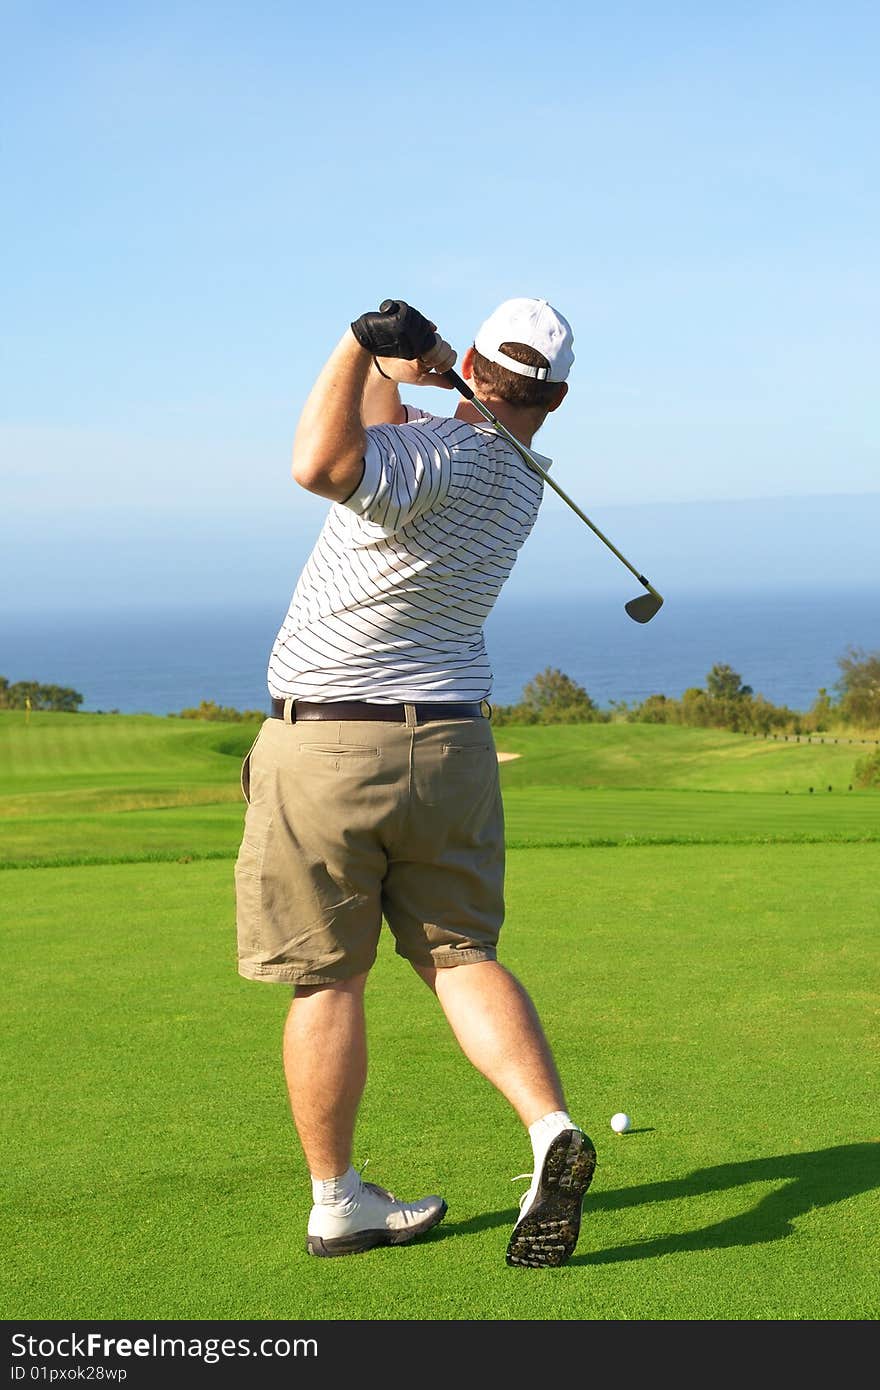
(339,1191)
(545,1130)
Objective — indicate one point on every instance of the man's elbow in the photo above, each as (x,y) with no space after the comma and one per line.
(335,479)
(306,470)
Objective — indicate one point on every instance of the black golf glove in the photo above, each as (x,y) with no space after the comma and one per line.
(397,330)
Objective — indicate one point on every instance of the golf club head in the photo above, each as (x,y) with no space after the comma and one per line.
(643,608)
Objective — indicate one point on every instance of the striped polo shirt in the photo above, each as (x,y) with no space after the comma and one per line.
(391,603)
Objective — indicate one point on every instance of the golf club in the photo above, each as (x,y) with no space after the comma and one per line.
(641,609)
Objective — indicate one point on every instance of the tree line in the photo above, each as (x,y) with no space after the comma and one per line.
(552,697)
(725,702)
(33,695)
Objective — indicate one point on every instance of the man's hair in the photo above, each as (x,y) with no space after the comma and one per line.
(510,386)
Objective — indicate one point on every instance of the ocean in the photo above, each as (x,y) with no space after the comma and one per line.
(785,644)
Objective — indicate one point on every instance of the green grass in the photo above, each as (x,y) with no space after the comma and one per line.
(723,1002)
(91,789)
(82,789)
(713,971)
(560,816)
(139,754)
(634,756)
(535,816)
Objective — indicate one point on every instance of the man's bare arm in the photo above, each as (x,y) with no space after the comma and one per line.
(381,401)
(351,393)
(328,451)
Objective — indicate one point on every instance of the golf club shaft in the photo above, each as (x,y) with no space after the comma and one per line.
(524,453)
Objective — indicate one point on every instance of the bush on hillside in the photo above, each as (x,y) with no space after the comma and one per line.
(822,713)
(859,687)
(209,709)
(657,709)
(866,772)
(725,703)
(551,697)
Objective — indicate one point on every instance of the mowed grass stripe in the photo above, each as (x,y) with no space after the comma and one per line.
(130,836)
(727,1002)
(72,750)
(535,816)
(558,815)
(59,752)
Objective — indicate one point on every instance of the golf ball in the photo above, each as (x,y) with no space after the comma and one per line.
(620,1123)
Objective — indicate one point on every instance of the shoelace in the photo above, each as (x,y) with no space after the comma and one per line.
(519,1177)
(379,1191)
(374,1187)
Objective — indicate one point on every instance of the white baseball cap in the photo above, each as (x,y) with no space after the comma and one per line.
(538,325)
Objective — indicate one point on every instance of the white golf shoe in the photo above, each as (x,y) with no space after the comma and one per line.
(374,1217)
(550,1210)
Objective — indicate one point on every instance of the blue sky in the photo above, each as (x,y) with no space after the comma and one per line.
(198,199)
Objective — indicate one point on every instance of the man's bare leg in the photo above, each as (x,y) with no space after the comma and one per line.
(325,1064)
(498,1030)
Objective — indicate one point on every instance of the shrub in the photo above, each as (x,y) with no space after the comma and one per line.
(859,687)
(866,772)
(551,697)
(209,709)
(725,704)
(657,709)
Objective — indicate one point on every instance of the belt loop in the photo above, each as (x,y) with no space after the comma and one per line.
(289,711)
(411,716)
(485,709)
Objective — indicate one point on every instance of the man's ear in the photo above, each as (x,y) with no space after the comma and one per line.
(467,363)
(563,392)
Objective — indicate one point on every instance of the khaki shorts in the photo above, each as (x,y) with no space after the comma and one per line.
(350,822)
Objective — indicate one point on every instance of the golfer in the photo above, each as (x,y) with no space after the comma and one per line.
(373,790)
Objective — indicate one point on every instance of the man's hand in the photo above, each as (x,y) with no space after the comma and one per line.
(398,330)
(423,371)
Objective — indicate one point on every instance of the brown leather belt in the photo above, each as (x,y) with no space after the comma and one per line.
(361,709)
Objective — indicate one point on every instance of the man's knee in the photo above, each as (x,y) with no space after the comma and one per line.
(352,985)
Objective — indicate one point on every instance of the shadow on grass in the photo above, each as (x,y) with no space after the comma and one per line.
(811,1180)
(486,1221)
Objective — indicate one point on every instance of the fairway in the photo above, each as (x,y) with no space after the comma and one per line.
(719,984)
(93,789)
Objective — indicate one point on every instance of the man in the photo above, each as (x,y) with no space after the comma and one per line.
(373,791)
